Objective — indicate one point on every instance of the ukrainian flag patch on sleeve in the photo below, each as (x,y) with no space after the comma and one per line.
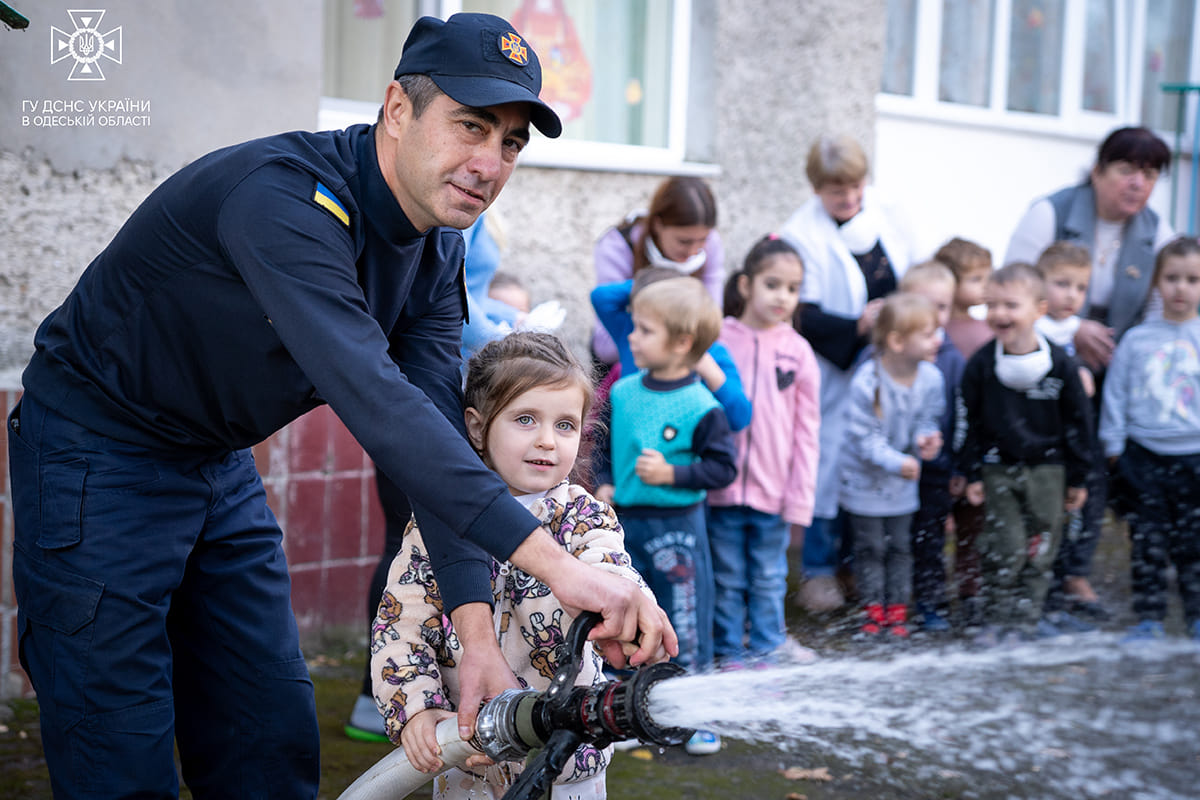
(328,201)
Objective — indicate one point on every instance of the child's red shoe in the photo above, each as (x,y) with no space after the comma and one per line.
(875,619)
(896,617)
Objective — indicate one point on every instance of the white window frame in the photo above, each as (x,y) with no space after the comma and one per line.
(1072,121)
(337,112)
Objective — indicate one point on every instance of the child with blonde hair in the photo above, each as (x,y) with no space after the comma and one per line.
(896,399)
(526,400)
(669,445)
(749,520)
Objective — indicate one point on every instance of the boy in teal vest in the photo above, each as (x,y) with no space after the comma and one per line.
(669,443)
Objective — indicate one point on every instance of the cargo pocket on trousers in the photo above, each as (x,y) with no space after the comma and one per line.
(62,504)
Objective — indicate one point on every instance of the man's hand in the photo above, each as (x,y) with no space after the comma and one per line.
(910,469)
(483,673)
(1076,497)
(630,617)
(975,494)
(1088,382)
(653,470)
(870,313)
(1094,344)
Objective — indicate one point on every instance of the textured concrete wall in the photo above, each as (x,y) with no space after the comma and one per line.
(214,73)
(787,72)
(192,77)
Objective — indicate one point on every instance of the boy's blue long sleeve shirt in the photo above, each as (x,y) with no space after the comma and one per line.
(611,304)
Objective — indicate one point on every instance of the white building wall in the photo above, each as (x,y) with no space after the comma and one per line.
(977,181)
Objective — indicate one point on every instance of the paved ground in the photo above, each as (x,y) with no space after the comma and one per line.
(931,718)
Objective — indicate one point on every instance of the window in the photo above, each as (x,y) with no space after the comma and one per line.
(1166,58)
(901,36)
(1070,66)
(1035,56)
(965,72)
(616,72)
(1100,57)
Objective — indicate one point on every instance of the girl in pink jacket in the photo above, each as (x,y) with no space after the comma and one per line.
(777,457)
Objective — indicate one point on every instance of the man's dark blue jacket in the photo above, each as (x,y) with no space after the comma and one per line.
(263,280)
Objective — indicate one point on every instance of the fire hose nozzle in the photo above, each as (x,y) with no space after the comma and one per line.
(517,721)
(520,720)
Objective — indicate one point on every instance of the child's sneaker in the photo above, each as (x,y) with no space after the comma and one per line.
(821,594)
(703,743)
(1069,623)
(897,615)
(875,619)
(931,620)
(366,723)
(1148,630)
(791,652)
(972,613)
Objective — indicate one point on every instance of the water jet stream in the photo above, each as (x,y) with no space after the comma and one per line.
(1076,717)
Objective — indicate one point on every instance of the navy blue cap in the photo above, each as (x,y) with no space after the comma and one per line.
(478,60)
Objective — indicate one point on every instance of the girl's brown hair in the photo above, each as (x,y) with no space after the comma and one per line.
(1176,248)
(503,370)
(679,201)
(963,257)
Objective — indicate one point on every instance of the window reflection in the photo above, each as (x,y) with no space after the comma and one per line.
(965,70)
(1035,49)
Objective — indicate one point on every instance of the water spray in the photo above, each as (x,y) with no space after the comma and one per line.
(557,721)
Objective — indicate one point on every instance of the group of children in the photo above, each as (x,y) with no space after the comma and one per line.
(693,495)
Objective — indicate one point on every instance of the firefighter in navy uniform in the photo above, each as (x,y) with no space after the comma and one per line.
(258,282)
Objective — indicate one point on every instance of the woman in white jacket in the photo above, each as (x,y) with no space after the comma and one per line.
(854,248)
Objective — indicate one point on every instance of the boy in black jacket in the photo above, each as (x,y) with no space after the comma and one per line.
(1027,447)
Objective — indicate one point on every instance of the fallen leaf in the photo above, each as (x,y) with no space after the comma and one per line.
(795,796)
(642,754)
(801,774)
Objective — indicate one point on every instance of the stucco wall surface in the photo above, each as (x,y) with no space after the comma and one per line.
(785,72)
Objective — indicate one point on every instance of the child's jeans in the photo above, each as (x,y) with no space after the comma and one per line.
(670,550)
(1164,509)
(883,558)
(1020,539)
(749,557)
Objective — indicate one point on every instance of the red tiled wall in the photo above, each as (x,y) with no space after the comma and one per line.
(321,486)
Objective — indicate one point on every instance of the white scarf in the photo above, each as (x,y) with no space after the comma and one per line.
(1023,372)
(657,259)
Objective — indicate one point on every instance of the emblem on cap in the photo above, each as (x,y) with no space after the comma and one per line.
(514,49)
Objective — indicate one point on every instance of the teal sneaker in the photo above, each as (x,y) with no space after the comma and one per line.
(703,743)
(1148,630)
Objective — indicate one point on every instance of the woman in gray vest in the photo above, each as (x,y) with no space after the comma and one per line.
(1108,214)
